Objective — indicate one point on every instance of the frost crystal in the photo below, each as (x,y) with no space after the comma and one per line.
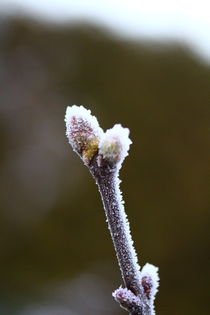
(128,300)
(126,226)
(83,131)
(150,283)
(115,144)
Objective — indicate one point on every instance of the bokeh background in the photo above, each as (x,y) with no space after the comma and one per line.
(57,257)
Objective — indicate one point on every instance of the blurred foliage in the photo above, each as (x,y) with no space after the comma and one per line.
(52,223)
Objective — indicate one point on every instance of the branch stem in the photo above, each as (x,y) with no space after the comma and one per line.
(103,153)
(117,224)
(107,180)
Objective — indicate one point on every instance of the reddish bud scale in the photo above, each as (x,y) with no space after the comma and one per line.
(146,282)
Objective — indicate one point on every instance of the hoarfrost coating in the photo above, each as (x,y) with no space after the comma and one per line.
(115,143)
(85,134)
(103,153)
(150,270)
(126,225)
(83,114)
(80,121)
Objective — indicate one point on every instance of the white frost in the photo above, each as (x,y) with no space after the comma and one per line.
(123,295)
(114,147)
(114,144)
(126,226)
(81,125)
(82,114)
(151,272)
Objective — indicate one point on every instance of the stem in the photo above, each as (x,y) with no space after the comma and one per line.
(118,227)
(103,153)
(107,180)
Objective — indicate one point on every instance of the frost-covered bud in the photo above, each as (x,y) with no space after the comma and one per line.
(115,144)
(150,280)
(83,132)
(128,300)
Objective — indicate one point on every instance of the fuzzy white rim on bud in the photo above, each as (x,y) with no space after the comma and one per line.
(114,144)
(151,271)
(82,115)
(83,132)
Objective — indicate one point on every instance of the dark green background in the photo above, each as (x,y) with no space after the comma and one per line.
(56,253)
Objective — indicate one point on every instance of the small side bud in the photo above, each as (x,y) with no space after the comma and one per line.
(128,300)
(150,280)
(83,132)
(114,145)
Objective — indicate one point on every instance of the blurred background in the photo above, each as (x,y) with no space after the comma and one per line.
(146,66)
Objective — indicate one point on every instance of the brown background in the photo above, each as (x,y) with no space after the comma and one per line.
(56,252)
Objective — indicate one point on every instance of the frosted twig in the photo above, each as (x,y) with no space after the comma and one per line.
(103,153)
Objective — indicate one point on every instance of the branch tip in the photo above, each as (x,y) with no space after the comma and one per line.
(103,153)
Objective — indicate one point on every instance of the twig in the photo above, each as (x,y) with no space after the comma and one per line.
(103,153)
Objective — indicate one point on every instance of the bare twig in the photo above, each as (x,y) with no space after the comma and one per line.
(103,153)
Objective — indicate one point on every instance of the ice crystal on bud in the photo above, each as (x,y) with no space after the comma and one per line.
(150,280)
(83,131)
(128,300)
(115,144)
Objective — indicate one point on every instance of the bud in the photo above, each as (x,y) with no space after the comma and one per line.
(150,280)
(128,300)
(115,144)
(83,132)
